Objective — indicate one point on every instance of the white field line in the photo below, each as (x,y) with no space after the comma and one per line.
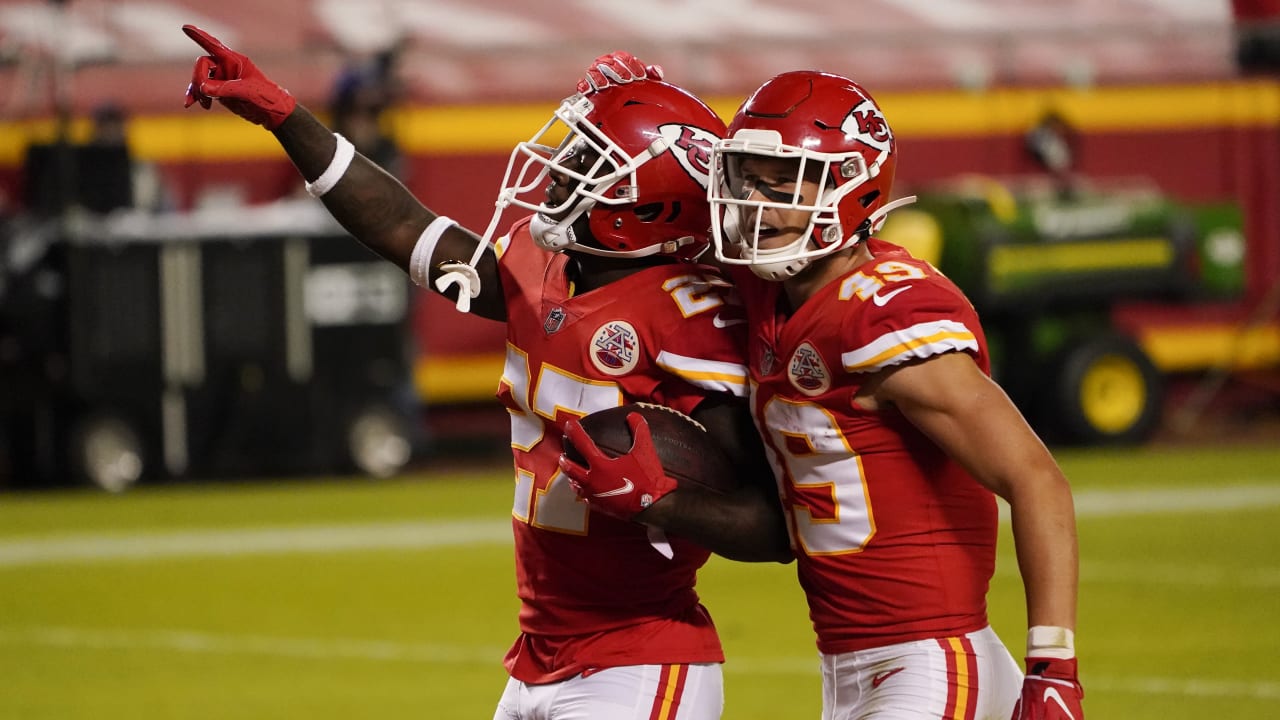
(1189,687)
(1171,501)
(1166,501)
(100,547)
(198,643)
(1192,576)
(280,540)
(335,649)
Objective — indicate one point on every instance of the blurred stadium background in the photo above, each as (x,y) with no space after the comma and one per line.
(314,459)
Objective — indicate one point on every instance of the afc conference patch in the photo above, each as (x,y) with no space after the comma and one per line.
(807,372)
(615,348)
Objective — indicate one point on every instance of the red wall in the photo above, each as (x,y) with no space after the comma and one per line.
(1239,160)
(1200,165)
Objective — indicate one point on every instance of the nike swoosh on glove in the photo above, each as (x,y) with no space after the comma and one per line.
(1050,691)
(233,80)
(617,486)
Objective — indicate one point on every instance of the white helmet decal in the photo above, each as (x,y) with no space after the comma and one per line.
(867,124)
(691,147)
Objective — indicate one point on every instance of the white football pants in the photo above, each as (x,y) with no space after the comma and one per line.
(970,677)
(632,692)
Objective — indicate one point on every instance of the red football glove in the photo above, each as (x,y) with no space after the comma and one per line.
(621,486)
(616,68)
(233,80)
(1050,691)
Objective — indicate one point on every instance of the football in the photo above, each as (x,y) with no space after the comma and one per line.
(687,452)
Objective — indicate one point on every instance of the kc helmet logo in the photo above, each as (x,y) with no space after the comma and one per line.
(691,147)
(867,125)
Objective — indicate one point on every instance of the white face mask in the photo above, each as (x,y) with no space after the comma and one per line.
(735,195)
(729,238)
(739,201)
(589,163)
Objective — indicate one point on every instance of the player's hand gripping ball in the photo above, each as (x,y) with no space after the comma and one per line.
(623,459)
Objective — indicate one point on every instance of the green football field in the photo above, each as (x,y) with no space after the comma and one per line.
(395,599)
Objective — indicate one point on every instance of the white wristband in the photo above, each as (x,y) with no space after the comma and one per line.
(342,156)
(1051,641)
(420,260)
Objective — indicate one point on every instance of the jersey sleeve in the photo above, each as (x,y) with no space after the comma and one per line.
(702,343)
(920,318)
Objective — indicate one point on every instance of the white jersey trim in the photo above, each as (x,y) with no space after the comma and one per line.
(711,375)
(917,341)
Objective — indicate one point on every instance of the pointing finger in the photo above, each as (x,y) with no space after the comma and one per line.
(211,44)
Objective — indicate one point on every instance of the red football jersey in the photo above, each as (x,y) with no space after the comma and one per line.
(895,542)
(594,591)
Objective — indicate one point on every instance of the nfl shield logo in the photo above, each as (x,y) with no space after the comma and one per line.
(554,320)
(766,360)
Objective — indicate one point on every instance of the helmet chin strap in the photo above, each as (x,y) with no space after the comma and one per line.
(560,236)
(784,269)
(551,235)
(780,270)
(668,247)
(463,274)
(877,218)
(875,221)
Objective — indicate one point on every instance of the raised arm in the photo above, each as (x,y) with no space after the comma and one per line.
(366,200)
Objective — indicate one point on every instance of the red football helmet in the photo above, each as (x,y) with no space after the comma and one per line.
(838,136)
(636,157)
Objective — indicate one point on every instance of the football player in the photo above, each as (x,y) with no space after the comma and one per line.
(603,307)
(871,384)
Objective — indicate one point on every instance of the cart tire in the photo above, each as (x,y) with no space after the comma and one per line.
(1107,392)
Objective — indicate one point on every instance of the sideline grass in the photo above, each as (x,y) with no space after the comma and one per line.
(338,600)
